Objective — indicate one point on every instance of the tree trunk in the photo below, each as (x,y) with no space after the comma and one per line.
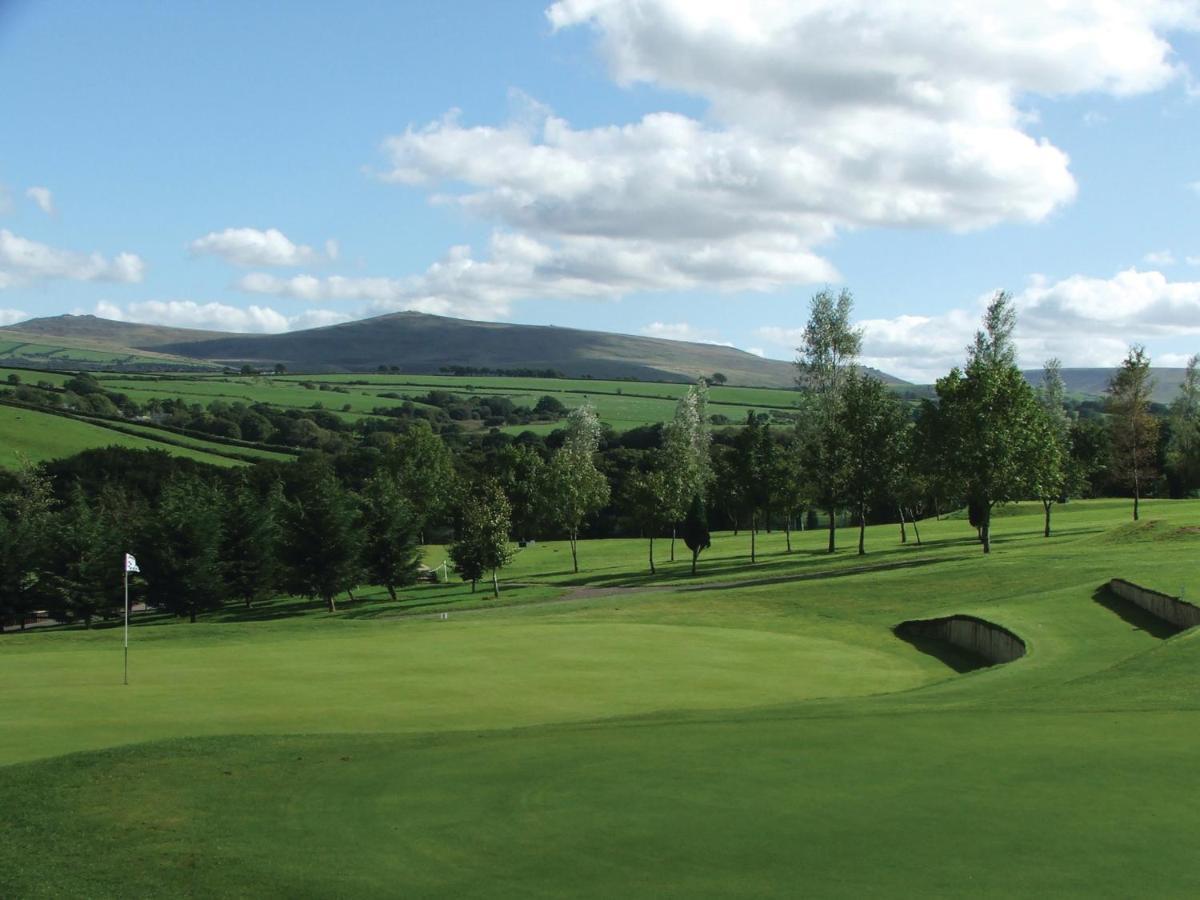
(472,585)
(1046,504)
(903,530)
(1136,494)
(575,550)
(652,571)
(391,592)
(985,530)
(331,603)
(753,532)
(695,555)
(350,594)
(192,614)
(495,585)
(862,529)
(247,603)
(832,529)
(787,528)
(673,528)
(916,530)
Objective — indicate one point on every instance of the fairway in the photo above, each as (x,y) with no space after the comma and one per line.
(757,731)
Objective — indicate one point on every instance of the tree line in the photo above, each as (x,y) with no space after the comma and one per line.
(332,520)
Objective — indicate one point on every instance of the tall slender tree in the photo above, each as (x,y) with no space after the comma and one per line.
(988,418)
(574,488)
(871,419)
(827,356)
(696,536)
(181,557)
(1052,445)
(1183,450)
(483,541)
(687,468)
(1134,429)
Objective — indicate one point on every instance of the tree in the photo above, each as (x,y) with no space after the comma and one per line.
(574,488)
(320,547)
(753,460)
(786,485)
(483,542)
(25,535)
(695,530)
(1052,441)
(826,358)
(1183,450)
(92,538)
(718,378)
(521,471)
(687,468)
(180,557)
(643,501)
(989,417)
(1134,429)
(391,552)
(871,419)
(250,542)
(425,471)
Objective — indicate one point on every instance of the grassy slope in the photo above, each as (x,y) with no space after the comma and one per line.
(40,436)
(738,742)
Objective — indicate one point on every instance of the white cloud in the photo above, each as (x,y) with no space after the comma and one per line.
(253,247)
(43,198)
(823,116)
(216,316)
(12,316)
(517,267)
(1159,258)
(683,331)
(1085,321)
(23,260)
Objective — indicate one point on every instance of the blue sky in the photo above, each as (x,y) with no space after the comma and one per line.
(653,167)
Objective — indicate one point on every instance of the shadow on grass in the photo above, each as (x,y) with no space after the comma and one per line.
(1133,614)
(955,657)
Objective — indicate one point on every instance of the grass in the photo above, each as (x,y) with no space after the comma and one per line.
(38,437)
(757,731)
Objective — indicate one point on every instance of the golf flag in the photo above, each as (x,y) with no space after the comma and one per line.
(131,563)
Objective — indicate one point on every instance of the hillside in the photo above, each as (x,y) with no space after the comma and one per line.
(1094,382)
(420,343)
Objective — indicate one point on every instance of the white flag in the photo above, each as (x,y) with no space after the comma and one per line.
(131,564)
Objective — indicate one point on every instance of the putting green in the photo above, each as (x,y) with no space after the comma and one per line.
(413,676)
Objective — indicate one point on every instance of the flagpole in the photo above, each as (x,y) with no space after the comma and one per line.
(126,568)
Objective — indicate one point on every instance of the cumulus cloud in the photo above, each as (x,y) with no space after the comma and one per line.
(217,316)
(1083,320)
(254,247)
(12,316)
(43,198)
(516,267)
(23,260)
(822,117)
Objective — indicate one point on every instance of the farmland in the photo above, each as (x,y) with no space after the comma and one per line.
(646,739)
(351,398)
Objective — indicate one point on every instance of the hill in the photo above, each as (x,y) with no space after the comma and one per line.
(1094,382)
(419,343)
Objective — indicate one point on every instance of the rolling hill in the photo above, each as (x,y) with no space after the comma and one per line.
(420,343)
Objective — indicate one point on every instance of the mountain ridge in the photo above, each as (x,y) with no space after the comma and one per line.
(420,343)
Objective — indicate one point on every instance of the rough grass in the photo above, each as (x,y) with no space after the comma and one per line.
(761,738)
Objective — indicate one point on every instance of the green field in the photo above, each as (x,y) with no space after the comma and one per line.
(756,731)
(35,436)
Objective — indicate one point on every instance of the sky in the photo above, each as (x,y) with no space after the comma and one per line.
(675,168)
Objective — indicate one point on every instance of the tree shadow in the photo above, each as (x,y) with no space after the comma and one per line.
(1140,619)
